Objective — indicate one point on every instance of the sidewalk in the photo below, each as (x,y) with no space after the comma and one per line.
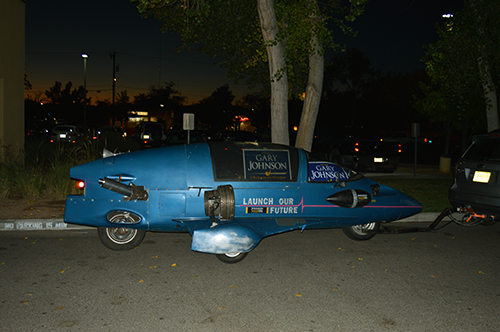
(38,225)
(404,171)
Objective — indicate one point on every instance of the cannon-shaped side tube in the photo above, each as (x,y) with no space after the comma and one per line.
(130,191)
(350,198)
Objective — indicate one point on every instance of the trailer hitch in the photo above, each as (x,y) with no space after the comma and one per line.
(469,219)
(429,228)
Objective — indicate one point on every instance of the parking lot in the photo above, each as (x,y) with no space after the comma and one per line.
(446,280)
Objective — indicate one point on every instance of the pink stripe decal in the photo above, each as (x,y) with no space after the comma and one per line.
(334,206)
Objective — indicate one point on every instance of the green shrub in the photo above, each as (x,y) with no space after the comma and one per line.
(42,169)
(58,183)
(4,182)
(28,182)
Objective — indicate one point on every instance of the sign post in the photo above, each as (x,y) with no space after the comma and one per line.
(415,133)
(188,124)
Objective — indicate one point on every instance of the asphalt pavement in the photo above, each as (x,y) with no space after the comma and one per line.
(316,280)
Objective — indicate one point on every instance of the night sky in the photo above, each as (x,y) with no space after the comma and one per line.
(391,34)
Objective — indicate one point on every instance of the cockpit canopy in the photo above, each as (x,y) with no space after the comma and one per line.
(268,162)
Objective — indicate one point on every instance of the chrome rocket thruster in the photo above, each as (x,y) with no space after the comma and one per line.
(351,198)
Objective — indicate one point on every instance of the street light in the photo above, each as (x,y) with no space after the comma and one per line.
(84,56)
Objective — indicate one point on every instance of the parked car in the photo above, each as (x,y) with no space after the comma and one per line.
(356,148)
(68,134)
(403,138)
(41,130)
(110,130)
(227,195)
(176,137)
(150,133)
(476,190)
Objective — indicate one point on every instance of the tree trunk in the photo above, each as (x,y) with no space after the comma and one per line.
(447,134)
(490,95)
(312,100)
(489,90)
(277,72)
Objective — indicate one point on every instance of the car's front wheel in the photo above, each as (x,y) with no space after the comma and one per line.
(362,232)
(231,258)
(120,238)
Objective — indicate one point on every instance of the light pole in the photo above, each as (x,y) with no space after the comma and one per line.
(85,56)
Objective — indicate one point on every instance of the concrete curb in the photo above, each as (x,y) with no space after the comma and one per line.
(38,225)
(59,224)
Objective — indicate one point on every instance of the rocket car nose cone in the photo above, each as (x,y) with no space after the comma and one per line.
(410,206)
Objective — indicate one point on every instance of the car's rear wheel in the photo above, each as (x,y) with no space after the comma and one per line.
(231,258)
(362,232)
(120,238)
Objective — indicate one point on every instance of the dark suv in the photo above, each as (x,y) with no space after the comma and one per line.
(356,148)
(476,190)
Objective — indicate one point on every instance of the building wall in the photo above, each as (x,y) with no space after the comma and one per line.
(12,73)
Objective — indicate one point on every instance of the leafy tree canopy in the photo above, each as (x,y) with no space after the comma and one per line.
(231,29)
(164,96)
(469,45)
(59,96)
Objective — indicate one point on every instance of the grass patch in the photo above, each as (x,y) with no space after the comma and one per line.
(29,182)
(42,168)
(432,193)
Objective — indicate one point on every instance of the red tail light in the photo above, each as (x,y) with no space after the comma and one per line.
(80,184)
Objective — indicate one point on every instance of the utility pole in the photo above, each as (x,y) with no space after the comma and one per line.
(85,56)
(159,71)
(113,56)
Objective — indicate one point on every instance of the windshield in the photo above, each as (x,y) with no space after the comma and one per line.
(484,149)
(246,161)
(325,171)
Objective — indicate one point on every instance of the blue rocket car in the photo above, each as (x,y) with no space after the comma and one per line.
(227,195)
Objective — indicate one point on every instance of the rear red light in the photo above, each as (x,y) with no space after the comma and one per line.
(80,184)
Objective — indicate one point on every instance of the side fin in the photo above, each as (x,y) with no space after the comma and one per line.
(225,238)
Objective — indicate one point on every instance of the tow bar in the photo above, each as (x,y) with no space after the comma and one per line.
(446,212)
(469,219)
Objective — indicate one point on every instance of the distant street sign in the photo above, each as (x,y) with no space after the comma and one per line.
(188,121)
